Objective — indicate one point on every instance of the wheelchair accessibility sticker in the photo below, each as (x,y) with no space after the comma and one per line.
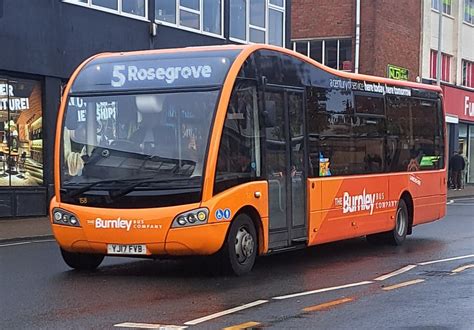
(223,214)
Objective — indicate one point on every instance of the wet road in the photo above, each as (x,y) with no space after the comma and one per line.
(345,280)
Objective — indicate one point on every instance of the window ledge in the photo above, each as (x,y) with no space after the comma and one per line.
(468,24)
(109,11)
(444,14)
(188,29)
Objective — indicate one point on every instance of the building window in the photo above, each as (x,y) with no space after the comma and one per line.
(132,8)
(445,66)
(445,5)
(258,21)
(469,11)
(204,16)
(335,53)
(468,73)
(21,132)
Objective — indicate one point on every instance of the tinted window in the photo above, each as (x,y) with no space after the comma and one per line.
(329,126)
(415,139)
(346,132)
(239,157)
(368,131)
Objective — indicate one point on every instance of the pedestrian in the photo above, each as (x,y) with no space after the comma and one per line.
(464,172)
(457,167)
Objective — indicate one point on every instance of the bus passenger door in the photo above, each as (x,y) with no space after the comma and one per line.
(286,166)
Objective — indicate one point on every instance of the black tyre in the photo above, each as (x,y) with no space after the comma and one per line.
(240,247)
(398,235)
(82,261)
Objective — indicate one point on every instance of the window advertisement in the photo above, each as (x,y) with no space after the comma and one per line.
(21,133)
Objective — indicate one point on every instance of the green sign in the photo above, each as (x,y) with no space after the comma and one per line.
(397,73)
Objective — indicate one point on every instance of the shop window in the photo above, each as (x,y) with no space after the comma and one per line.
(468,73)
(335,53)
(445,66)
(470,156)
(248,21)
(469,11)
(204,16)
(21,133)
(132,8)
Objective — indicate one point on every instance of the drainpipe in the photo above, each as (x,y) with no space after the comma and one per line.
(440,34)
(357,37)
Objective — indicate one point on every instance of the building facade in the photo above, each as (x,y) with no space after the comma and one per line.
(399,40)
(388,35)
(457,69)
(44,41)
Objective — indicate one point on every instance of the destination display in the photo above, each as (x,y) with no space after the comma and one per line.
(123,73)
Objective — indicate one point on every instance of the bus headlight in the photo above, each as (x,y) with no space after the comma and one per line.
(191,218)
(65,218)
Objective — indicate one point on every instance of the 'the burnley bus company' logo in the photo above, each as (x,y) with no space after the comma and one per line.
(355,203)
(122,224)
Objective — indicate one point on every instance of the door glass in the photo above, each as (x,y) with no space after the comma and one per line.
(275,141)
(295,108)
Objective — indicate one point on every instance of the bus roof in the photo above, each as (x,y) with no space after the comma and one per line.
(230,51)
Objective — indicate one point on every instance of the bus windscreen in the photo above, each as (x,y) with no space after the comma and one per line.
(154,143)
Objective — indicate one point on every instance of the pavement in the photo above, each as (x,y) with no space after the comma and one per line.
(39,228)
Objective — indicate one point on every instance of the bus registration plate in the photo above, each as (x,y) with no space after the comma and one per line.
(126,249)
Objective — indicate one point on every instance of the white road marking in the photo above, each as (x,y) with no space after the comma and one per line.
(226,312)
(450,202)
(149,326)
(322,290)
(28,242)
(444,260)
(395,273)
(402,285)
(461,269)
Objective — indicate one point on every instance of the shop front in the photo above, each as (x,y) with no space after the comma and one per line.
(459,106)
(22,184)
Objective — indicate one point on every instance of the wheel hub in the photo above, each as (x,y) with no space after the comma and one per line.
(244,245)
(401,222)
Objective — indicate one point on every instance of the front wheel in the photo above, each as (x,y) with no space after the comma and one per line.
(240,249)
(82,261)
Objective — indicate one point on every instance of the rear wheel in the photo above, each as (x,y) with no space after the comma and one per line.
(82,261)
(240,249)
(398,235)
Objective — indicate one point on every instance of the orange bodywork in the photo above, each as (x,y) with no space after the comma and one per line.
(330,201)
(329,218)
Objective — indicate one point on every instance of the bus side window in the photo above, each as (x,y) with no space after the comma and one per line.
(239,150)
(329,113)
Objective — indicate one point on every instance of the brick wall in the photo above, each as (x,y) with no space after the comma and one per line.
(397,36)
(390,30)
(322,18)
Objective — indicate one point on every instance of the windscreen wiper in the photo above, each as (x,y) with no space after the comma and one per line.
(125,190)
(79,191)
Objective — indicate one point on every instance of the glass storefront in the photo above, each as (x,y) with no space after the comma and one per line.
(470,165)
(21,133)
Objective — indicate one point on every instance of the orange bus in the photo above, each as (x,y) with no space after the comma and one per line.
(238,151)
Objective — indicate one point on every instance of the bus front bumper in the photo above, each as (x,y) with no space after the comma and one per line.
(100,229)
